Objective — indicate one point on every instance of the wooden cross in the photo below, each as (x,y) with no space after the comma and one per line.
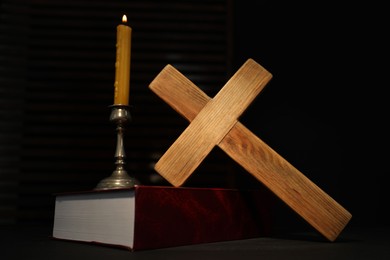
(214,122)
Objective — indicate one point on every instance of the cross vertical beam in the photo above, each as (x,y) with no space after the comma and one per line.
(284,180)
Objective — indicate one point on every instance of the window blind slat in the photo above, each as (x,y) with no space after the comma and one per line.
(57,87)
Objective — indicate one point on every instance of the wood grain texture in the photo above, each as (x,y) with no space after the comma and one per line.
(212,123)
(316,207)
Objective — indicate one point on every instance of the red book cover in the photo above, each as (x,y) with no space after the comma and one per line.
(150,217)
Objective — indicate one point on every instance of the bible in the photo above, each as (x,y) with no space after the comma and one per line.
(151,217)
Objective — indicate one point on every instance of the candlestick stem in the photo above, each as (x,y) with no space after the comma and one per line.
(119,178)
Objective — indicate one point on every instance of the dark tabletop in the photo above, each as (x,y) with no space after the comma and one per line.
(35,242)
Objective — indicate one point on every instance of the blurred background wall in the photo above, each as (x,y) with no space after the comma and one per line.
(323,111)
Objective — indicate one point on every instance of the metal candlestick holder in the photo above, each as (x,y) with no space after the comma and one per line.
(120,115)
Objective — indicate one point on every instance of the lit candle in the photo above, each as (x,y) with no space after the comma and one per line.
(122,64)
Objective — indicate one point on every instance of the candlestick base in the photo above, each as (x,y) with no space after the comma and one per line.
(119,178)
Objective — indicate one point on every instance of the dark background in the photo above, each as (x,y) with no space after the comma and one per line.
(325,110)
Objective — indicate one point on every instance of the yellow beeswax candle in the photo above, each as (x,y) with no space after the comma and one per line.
(122,64)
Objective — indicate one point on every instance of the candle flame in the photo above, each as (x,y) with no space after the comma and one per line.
(124,18)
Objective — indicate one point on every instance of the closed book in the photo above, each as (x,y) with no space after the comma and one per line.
(151,217)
